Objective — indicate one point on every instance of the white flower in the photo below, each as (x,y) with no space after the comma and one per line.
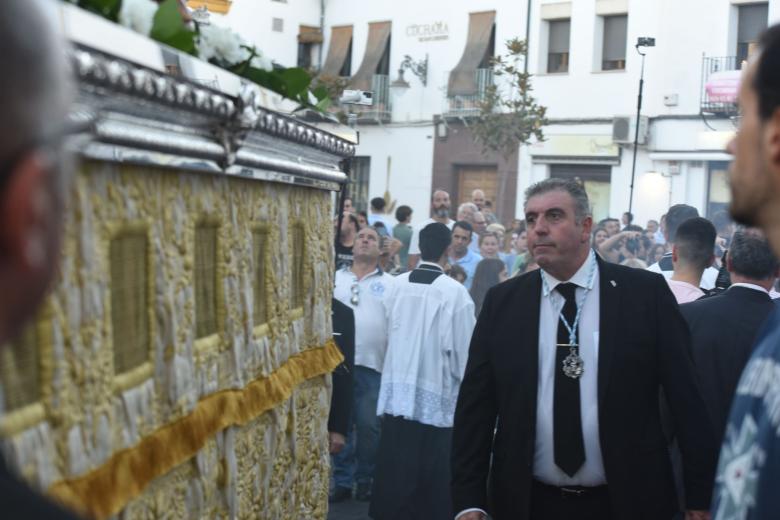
(221,44)
(261,62)
(138,15)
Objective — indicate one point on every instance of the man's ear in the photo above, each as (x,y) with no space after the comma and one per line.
(587,228)
(24,211)
(772,141)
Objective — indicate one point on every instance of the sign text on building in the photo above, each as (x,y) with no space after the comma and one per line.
(428,32)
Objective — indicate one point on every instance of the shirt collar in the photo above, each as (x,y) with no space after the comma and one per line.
(680,283)
(750,286)
(377,271)
(431,264)
(580,278)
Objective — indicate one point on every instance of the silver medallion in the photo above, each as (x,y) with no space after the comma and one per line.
(573,365)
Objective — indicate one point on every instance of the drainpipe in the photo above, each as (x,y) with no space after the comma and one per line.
(322,32)
(527,35)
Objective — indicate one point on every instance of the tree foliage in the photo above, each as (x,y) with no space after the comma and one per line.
(508,115)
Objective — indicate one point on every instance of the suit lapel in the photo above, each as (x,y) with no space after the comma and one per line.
(610,291)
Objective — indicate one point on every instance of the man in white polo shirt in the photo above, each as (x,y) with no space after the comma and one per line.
(440,209)
(366,289)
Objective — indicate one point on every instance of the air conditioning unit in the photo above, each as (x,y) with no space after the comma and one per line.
(623,128)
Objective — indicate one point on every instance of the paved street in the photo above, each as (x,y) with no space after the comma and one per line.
(349,510)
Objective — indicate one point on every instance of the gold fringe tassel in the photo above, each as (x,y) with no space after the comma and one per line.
(106,490)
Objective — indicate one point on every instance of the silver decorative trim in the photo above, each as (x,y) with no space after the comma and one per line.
(236,117)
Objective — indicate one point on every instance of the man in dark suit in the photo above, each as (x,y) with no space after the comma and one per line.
(562,385)
(341,398)
(724,327)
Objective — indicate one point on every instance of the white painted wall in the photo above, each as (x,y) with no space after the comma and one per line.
(421,103)
(252,19)
(411,172)
(684,32)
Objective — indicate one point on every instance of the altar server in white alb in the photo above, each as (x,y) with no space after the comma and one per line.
(431,319)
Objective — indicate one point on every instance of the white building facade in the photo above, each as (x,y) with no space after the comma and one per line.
(585,69)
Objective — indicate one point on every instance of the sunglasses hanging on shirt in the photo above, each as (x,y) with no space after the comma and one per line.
(355,289)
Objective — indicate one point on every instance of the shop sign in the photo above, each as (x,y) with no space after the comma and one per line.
(429,32)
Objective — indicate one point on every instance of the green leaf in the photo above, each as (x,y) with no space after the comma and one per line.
(106,8)
(296,81)
(265,78)
(321,93)
(323,104)
(169,28)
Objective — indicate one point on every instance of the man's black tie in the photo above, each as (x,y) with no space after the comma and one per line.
(569,447)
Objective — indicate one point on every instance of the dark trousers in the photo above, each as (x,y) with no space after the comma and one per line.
(551,503)
(412,480)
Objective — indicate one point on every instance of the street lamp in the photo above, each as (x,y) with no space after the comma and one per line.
(642,41)
(418,68)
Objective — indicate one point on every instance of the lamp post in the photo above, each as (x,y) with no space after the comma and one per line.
(642,41)
(418,68)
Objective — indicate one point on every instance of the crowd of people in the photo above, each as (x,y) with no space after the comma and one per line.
(412,335)
(542,369)
(518,371)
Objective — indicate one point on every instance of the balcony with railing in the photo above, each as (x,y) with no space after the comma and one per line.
(381,110)
(719,85)
(469,106)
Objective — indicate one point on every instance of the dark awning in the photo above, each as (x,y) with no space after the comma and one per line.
(463,78)
(378,36)
(338,50)
(309,34)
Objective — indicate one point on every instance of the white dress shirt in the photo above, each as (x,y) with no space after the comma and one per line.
(551,303)
(684,292)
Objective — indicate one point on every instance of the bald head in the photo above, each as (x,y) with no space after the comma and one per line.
(478,198)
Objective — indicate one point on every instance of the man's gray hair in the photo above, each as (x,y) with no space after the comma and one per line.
(572,187)
(468,205)
(751,256)
(34,89)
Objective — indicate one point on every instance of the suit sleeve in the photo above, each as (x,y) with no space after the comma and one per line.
(691,422)
(341,399)
(475,419)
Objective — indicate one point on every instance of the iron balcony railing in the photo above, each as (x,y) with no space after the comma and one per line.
(381,111)
(468,106)
(719,85)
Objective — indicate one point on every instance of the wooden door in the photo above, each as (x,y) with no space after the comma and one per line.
(471,178)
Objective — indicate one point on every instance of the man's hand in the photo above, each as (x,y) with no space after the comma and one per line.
(697,515)
(473,515)
(336,442)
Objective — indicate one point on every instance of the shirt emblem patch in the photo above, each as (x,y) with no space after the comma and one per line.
(377,288)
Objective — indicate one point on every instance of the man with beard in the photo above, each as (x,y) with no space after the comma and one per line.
(440,210)
(749,466)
